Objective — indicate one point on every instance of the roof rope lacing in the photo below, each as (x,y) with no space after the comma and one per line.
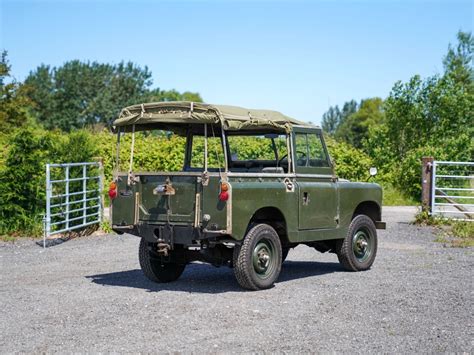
(190,113)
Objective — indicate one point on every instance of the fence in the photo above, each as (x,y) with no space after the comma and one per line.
(73,197)
(452,189)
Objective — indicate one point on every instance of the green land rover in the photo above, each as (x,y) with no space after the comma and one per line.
(254,183)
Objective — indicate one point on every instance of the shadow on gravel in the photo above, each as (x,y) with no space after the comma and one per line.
(207,279)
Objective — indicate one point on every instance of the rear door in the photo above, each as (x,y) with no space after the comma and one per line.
(317,189)
(156,205)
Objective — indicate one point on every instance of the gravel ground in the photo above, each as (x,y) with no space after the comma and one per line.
(89,294)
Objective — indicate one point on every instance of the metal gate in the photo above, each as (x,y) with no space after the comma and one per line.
(73,197)
(452,189)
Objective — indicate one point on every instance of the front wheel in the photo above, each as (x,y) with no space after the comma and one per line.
(284,254)
(154,269)
(257,262)
(357,251)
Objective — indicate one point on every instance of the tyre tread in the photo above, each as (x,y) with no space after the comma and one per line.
(344,246)
(241,264)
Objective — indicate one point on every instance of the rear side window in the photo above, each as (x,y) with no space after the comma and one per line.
(214,152)
(265,153)
(269,147)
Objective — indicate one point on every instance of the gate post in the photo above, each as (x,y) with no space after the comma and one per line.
(426,183)
(47,218)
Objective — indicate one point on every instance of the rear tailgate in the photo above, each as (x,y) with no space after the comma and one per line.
(179,207)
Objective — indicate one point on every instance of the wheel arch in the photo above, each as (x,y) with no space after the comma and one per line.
(369,208)
(274,217)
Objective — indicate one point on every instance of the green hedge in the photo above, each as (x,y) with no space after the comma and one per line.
(25,153)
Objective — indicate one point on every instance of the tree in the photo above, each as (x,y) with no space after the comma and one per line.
(458,61)
(173,95)
(330,120)
(355,128)
(430,116)
(13,99)
(80,94)
(334,117)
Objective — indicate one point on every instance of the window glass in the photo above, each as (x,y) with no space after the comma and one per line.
(301,149)
(257,147)
(258,153)
(317,154)
(214,152)
(154,150)
(310,151)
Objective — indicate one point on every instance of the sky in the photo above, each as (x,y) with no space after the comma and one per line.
(298,57)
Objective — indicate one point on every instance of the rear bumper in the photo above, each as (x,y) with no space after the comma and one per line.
(380,225)
(171,234)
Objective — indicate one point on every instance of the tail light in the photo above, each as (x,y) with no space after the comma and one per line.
(224,194)
(112,190)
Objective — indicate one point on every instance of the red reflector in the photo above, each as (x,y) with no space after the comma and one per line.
(224,196)
(113,193)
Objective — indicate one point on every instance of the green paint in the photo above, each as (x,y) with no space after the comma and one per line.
(316,207)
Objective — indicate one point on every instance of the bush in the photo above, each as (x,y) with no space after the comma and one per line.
(351,163)
(22,182)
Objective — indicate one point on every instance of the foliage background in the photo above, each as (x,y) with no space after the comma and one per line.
(62,115)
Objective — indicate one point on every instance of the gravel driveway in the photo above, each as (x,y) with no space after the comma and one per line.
(89,294)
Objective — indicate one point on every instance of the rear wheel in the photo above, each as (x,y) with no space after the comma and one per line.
(154,269)
(257,262)
(357,251)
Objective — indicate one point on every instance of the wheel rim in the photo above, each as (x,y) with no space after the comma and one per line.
(263,258)
(362,245)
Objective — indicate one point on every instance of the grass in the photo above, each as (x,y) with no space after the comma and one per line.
(8,238)
(394,197)
(105,226)
(452,233)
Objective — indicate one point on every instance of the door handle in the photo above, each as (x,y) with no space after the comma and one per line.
(305,198)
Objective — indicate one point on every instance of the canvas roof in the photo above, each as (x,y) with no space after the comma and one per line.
(184,112)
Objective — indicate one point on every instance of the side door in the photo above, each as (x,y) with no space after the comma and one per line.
(316,184)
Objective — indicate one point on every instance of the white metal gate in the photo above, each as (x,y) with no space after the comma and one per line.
(73,197)
(452,189)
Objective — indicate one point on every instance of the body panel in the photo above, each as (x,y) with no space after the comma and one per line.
(312,203)
(317,203)
(249,194)
(351,194)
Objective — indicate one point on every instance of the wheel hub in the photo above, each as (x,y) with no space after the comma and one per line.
(361,245)
(262,258)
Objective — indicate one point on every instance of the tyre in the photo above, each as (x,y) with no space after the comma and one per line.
(154,269)
(257,262)
(357,251)
(284,254)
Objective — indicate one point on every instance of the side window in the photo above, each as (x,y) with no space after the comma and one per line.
(317,154)
(301,153)
(310,151)
(215,153)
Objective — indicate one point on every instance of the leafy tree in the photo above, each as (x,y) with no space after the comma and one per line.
(330,120)
(80,94)
(427,116)
(348,109)
(458,61)
(13,99)
(173,95)
(22,182)
(351,163)
(355,128)
(334,117)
